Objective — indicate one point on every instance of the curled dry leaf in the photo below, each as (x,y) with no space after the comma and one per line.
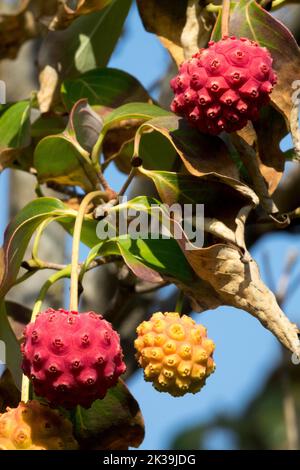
(264,137)
(199,153)
(27,19)
(66,13)
(237,282)
(182,26)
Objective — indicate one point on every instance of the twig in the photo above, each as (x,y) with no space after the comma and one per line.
(105,185)
(284,281)
(295,130)
(125,186)
(140,289)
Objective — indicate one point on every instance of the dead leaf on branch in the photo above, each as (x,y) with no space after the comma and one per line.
(264,137)
(31,18)
(178,24)
(200,153)
(235,278)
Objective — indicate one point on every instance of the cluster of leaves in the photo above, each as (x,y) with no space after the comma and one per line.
(86,115)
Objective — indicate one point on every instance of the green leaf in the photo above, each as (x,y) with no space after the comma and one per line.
(163,256)
(64,158)
(114,423)
(15,126)
(103,88)
(20,231)
(143,111)
(56,158)
(155,151)
(12,347)
(14,133)
(89,41)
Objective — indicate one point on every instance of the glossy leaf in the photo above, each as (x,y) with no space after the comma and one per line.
(87,44)
(14,132)
(56,158)
(141,111)
(114,423)
(155,150)
(146,256)
(64,158)
(20,231)
(108,88)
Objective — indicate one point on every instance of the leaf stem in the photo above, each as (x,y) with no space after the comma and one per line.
(37,240)
(179,303)
(76,244)
(225,17)
(213,8)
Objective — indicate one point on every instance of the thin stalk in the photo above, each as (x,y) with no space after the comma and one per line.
(127,182)
(179,303)
(76,244)
(225,17)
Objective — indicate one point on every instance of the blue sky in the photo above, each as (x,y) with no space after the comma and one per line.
(245,351)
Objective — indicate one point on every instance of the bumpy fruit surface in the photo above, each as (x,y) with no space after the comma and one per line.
(71,358)
(35,426)
(224,86)
(175,353)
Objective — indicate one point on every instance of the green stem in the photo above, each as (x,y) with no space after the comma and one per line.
(37,240)
(213,8)
(179,303)
(76,245)
(225,17)
(66,272)
(97,147)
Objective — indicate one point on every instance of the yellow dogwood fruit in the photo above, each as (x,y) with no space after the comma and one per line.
(35,426)
(175,353)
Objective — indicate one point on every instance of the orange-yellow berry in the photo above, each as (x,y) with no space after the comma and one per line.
(175,353)
(35,426)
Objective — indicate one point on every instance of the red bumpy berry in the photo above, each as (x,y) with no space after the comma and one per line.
(224,86)
(71,358)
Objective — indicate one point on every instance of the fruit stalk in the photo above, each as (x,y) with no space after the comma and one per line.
(225,17)
(76,244)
